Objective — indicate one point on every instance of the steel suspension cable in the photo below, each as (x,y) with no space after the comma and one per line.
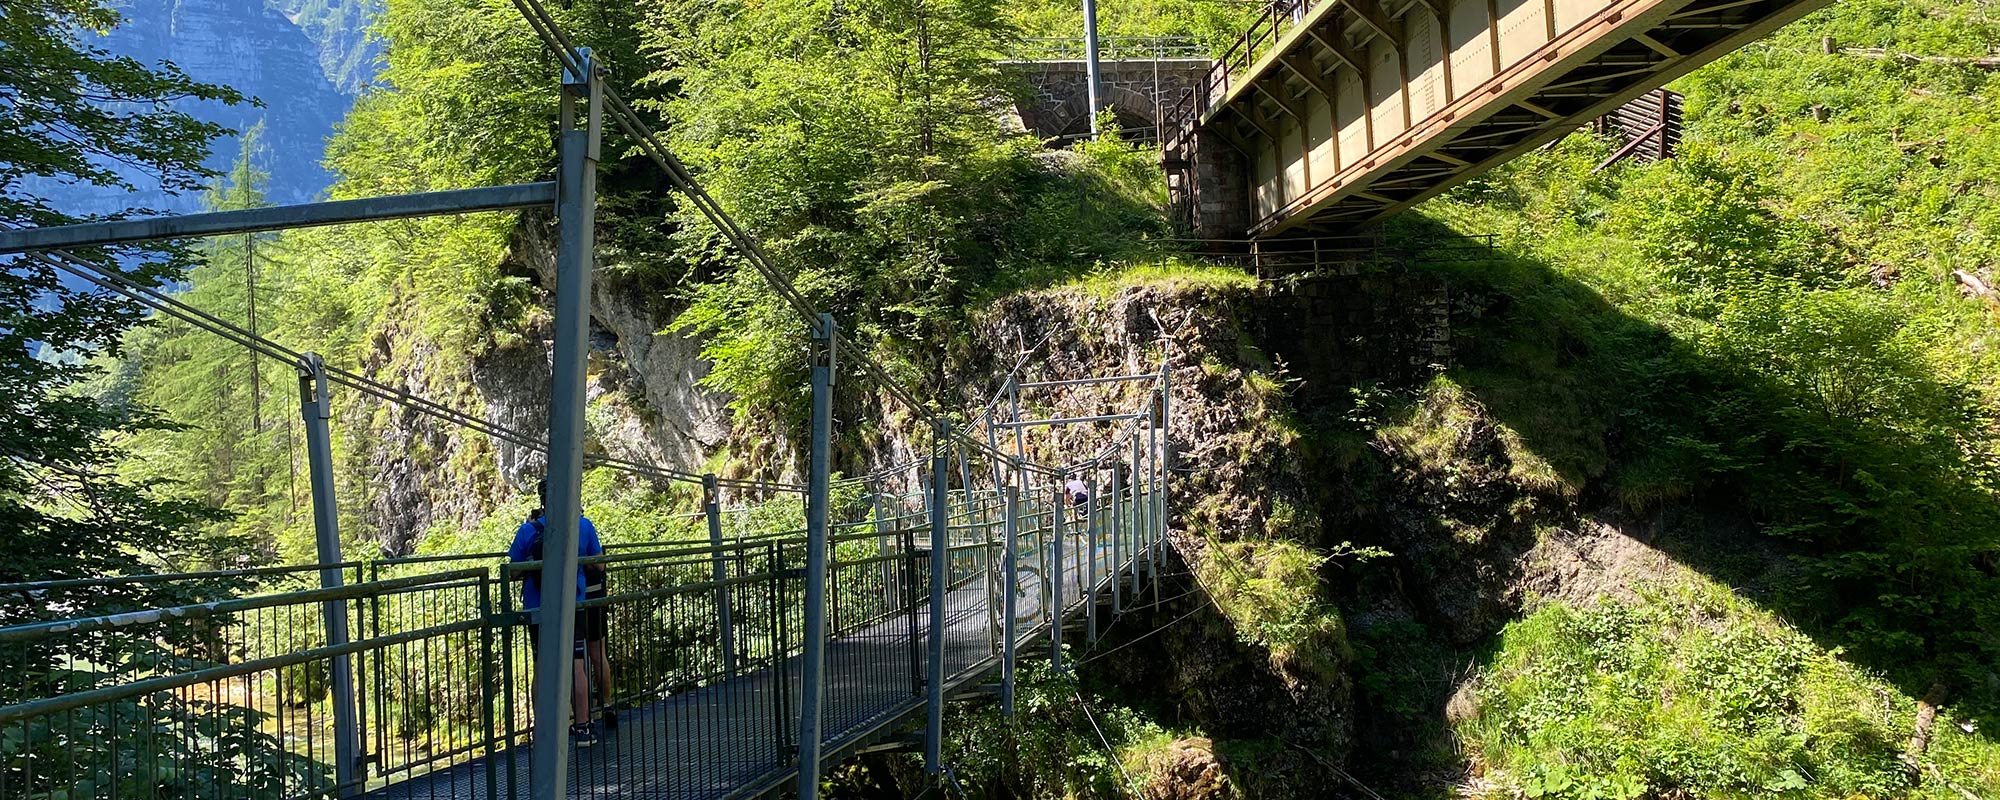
(747,246)
(117,282)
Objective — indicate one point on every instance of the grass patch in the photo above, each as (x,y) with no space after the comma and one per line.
(1447,427)
(1689,691)
(1269,590)
(1173,274)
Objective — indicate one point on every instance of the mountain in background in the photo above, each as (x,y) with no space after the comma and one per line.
(304,60)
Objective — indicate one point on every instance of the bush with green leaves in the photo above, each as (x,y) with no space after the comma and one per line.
(1270,591)
(1686,688)
(1723,327)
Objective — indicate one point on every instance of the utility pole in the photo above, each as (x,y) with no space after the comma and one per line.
(1090,61)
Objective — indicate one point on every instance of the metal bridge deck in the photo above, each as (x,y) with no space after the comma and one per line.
(737,723)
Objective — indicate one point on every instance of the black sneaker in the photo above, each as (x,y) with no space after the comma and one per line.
(582,735)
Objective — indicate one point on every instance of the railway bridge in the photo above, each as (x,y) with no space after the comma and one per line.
(1327,114)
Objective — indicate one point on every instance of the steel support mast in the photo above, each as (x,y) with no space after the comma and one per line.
(315,408)
(940,553)
(711,509)
(812,662)
(582,119)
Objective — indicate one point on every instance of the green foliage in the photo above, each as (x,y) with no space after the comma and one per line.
(1270,590)
(66,510)
(857,141)
(1698,328)
(852,140)
(1689,689)
(1053,749)
(192,749)
(235,412)
(1215,23)
(74,109)
(1170,274)
(1769,323)
(464,98)
(1405,672)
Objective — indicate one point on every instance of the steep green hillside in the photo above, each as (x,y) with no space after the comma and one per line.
(1772,360)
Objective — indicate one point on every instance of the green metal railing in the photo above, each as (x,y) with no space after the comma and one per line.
(231,697)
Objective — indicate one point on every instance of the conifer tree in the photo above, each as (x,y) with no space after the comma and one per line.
(74,112)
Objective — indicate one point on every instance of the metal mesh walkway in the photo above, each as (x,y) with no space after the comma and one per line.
(722,740)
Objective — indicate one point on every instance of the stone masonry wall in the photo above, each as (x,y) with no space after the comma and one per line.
(1058,97)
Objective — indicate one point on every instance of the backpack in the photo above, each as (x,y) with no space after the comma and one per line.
(593,574)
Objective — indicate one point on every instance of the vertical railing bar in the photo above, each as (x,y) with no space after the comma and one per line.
(1011,588)
(1057,579)
(934,681)
(1117,535)
(1089,555)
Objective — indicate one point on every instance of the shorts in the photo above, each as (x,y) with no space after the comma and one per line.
(593,624)
(582,625)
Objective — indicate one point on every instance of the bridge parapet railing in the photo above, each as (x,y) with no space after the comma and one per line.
(1278,258)
(1110,48)
(41,601)
(665,614)
(1274,19)
(234,697)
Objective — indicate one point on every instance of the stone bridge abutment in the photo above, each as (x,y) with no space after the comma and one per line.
(1055,101)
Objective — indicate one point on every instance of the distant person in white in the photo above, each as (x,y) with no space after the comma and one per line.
(1078,493)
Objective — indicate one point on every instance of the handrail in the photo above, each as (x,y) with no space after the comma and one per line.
(163,683)
(200,610)
(161,577)
(1110,48)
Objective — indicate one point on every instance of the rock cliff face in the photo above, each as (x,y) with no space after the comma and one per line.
(306,82)
(672,419)
(645,404)
(339,28)
(1236,479)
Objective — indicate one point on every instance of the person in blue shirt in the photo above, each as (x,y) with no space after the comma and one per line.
(527,546)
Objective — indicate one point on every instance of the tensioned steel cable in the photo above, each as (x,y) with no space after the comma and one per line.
(623,116)
(160,301)
(985,418)
(166,304)
(628,121)
(746,245)
(133,290)
(117,282)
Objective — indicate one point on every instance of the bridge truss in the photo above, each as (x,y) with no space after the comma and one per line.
(1340,112)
